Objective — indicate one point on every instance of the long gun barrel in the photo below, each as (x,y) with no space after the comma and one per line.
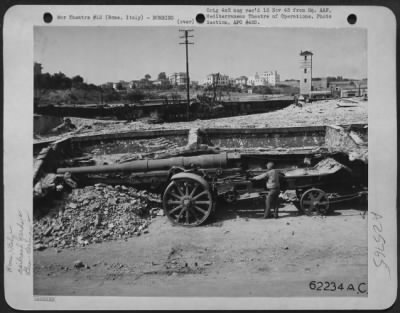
(202,161)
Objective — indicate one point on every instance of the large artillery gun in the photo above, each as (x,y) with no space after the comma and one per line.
(190,185)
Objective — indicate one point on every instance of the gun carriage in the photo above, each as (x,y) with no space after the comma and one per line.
(191,185)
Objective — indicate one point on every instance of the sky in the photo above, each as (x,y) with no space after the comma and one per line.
(109,54)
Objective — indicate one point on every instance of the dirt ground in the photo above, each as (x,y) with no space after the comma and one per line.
(237,253)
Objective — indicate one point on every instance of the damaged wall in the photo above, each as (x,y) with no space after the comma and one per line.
(351,139)
(268,137)
(42,124)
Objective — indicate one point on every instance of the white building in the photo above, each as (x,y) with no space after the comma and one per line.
(241,81)
(223,80)
(121,85)
(271,77)
(256,80)
(266,78)
(177,79)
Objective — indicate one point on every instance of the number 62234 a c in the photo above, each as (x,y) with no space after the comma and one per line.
(359,288)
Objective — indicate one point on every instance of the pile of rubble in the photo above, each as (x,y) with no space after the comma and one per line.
(97,213)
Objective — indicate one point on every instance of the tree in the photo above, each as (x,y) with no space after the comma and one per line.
(119,87)
(60,81)
(77,81)
(111,96)
(147,76)
(134,96)
(162,76)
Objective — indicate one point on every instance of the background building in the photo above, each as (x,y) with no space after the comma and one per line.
(349,88)
(37,68)
(319,83)
(291,82)
(256,80)
(241,81)
(121,85)
(267,78)
(306,72)
(177,79)
(271,77)
(219,79)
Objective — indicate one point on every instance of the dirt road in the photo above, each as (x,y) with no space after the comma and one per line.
(236,254)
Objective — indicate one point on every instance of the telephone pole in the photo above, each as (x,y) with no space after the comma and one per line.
(187,43)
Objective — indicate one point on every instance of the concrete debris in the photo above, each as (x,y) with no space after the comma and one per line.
(78,264)
(46,184)
(357,139)
(288,196)
(326,166)
(97,213)
(160,213)
(39,247)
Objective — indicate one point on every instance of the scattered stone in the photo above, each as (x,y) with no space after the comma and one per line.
(39,247)
(48,231)
(96,213)
(78,264)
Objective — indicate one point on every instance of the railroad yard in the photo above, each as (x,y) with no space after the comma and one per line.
(112,239)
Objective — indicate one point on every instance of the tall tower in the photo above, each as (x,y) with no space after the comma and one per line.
(306,72)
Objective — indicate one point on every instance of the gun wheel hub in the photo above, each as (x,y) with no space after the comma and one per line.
(314,202)
(186,202)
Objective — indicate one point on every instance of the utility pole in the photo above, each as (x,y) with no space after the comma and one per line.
(311,71)
(186,43)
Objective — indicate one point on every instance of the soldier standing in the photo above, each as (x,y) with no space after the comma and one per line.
(273,187)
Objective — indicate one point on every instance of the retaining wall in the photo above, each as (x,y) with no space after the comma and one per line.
(348,139)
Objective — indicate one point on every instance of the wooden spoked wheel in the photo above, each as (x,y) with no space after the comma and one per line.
(187,201)
(314,202)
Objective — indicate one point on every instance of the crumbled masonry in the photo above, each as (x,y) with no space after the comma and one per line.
(94,214)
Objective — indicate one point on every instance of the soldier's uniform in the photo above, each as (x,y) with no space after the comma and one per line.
(273,187)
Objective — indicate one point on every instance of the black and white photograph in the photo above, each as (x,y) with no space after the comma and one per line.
(200,157)
(235,164)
